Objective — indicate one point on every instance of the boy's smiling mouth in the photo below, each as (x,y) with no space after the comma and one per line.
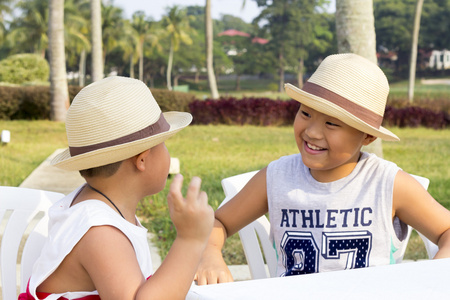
(314,147)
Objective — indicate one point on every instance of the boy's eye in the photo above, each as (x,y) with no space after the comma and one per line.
(332,124)
(305,113)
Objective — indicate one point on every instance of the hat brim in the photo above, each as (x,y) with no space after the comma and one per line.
(326,107)
(101,157)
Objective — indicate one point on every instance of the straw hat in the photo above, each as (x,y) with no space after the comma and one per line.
(114,119)
(349,88)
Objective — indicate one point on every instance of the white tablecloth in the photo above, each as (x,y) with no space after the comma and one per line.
(428,279)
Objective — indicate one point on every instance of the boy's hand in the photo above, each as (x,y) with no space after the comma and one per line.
(193,219)
(212,268)
(192,216)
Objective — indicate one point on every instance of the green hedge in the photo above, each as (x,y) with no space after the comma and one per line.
(24,68)
(33,102)
(173,101)
(9,102)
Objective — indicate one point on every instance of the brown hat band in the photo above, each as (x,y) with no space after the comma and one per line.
(160,126)
(362,113)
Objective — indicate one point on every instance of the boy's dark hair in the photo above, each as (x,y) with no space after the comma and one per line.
(102,171)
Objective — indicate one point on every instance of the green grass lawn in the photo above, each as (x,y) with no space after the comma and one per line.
(421,90)
(216,152)
(31,143)
(259,88)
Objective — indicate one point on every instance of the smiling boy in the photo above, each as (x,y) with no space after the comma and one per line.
(332,206)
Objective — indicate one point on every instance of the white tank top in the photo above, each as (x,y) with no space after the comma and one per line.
(345,224)
(68,224)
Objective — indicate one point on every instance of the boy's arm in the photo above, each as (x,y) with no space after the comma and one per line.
(110,260)
(193,219)
(108,257)
(444,245)
(248,205)
(416,207)
(212,268)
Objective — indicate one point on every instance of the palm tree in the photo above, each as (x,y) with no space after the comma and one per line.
(145,31)
(209,51)
(28,32)
(96,37)
(177,26)
(59,94)
(129,45)
(5,8)
(112,29)
(77,30)
(140,26)
(415,37)
(355,29)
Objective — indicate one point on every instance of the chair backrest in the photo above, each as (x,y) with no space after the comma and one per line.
(250,234)
(23,226)
(258,232)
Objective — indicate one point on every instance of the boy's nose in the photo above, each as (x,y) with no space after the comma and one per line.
(314,131)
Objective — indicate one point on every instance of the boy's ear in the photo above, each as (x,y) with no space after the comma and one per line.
(139,160)
(369,139)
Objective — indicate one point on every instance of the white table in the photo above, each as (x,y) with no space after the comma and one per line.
(428,279)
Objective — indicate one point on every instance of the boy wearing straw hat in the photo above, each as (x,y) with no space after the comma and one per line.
(332,207)
(96,246)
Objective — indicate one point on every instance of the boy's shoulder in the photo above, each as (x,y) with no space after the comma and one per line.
(65,217)
(371,166)
(285,163)
(291,158)
(372,159)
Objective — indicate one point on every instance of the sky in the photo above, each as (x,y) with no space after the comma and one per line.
(157,8)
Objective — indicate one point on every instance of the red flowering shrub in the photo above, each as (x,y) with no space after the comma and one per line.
(264,112)
(251,111)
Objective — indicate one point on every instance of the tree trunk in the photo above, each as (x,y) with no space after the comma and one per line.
(238,82)
(281,70)
(197,75)
(169,68)
(152,82)
(415,37)
(131,66)
(59,92)
(301,65)
(82,68)
(141,61)
(355,29)
(209,51)
(97,55)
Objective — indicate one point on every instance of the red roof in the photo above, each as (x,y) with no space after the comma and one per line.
(233,32)
(259,40)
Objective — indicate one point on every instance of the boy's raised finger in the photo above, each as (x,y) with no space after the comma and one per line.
(194,188)
(203,198)
(175,188)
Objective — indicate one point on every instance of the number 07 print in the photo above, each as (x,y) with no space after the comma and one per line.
(355,244)
(300,253)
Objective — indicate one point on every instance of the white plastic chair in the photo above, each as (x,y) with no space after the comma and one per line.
(24,220)
(249,235)
(260,230)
